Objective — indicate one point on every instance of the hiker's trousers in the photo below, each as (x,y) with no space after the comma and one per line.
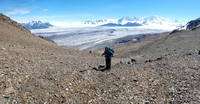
(108,62)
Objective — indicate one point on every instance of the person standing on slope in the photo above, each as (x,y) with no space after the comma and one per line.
(108,53)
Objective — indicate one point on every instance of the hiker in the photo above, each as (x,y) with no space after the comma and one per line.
(108,53)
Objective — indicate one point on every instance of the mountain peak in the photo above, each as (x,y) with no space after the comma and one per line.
(37,25)
(127,19)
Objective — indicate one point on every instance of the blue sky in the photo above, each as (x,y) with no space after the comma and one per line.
(80,10)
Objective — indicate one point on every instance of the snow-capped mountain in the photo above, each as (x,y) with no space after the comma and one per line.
(151,21)
(125,20)
(129,24)
(101,22)
(37,25)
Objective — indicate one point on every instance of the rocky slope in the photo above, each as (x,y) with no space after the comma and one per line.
(33,70)
(36,71)
(193,24)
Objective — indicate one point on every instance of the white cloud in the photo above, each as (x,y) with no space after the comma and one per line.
(45,10)
(18,11)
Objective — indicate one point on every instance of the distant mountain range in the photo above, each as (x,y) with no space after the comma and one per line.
(137,21)
(129,24)
(36,25)
(147,22)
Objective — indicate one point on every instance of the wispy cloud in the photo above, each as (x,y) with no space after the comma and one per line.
(45,10)
(18,12)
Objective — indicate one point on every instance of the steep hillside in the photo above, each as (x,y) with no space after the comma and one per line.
(178,41)
(33,70)
(175,60)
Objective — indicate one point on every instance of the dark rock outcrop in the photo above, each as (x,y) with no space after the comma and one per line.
(129,24)
(193,24)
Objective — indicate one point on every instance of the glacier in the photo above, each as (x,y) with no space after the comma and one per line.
(83,38)
(92,34)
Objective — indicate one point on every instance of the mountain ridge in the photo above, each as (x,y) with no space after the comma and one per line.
(8,20)
(120,25)
(193,24)
(147,21)
(36,25)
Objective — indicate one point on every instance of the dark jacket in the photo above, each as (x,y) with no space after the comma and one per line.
(108,53)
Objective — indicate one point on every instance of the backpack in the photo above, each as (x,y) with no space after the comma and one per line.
(111,51)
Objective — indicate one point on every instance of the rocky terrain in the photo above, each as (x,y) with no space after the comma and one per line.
(37,71)
(193,24)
